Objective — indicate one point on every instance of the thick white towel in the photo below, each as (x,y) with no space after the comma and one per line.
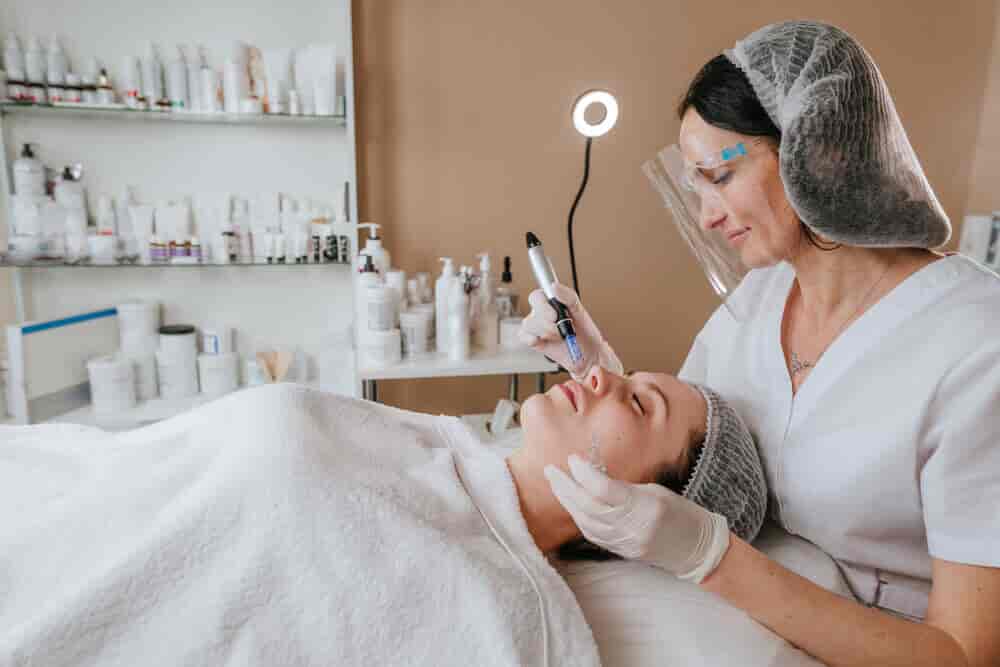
(276,526)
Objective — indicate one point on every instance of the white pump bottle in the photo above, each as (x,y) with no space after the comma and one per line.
(442,291)
(458,318)
(373,246)
(487,331)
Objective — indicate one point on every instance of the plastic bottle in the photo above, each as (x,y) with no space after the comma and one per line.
(366,279)
(13,58)
(34,62)
(442,291)
(373,247)
(195,61)
(70,195)
(177,82)
(458,318)
(29,174)
(506,297)
(487,334)
(56,70)
(152,77)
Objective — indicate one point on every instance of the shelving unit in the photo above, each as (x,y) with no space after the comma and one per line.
(81,112)
(164,155)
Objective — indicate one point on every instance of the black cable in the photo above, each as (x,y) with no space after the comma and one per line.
(583,186)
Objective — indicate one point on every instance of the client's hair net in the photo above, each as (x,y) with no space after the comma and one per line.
(728,478)
(848,168)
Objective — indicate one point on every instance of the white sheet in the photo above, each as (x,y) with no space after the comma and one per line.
(276,526)
(643,617)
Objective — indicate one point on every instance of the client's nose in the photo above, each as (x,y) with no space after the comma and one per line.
(599,380)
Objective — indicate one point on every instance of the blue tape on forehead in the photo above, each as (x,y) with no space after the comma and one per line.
(734,151)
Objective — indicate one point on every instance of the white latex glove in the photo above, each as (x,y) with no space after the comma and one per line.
(646,522)
(539,332)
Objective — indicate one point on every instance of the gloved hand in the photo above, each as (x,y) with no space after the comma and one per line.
(647,522)
(539,332)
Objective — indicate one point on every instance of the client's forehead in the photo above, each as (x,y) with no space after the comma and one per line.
(661,380)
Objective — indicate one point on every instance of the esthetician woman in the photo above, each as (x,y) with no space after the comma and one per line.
(866,364)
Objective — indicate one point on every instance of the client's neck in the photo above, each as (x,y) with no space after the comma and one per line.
(548,522)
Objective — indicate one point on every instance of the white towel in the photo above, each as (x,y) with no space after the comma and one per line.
(279,525)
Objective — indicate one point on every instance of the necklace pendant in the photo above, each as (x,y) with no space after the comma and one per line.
(797,365)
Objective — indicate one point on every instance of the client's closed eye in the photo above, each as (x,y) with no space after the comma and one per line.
(638,404)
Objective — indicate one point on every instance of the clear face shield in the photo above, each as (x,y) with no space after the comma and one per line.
(716,205)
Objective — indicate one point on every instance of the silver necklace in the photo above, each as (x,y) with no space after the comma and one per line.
(798,365)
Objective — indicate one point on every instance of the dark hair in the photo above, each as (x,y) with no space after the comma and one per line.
(672,477)
(722,95)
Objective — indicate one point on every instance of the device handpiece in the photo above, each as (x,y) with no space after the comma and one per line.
(545,275)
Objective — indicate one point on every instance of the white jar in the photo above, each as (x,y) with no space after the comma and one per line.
(430,312)
(382,348)
(381,308)
(178,375)
(218,374)
(415,325)
(112,384)
(510,328)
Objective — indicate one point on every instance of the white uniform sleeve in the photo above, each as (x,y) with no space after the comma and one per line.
(695,368)
(960,480)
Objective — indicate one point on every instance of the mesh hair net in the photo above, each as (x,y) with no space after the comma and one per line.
(728,478)
(848,168)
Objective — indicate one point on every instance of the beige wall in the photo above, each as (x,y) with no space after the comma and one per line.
(984,184)
(465,140)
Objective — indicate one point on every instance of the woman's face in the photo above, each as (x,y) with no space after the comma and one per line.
(745,201)
(643,423)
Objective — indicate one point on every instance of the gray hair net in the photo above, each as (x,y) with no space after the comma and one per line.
(848,168)
(728,478)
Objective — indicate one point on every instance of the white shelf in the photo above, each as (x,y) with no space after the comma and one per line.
(144,413)
(56,263)
(505,362)
(116,113)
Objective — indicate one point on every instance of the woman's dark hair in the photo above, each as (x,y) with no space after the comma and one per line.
(674,478)
(722,95)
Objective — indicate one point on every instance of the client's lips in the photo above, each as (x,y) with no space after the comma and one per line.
(569,395)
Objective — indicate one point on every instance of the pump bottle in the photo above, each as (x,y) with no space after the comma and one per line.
(458,318)
(442,292)
(487,332)
(373,247)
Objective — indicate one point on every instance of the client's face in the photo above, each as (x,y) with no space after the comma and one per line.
(643,423)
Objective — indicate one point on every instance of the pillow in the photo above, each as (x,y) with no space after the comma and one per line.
(644,617)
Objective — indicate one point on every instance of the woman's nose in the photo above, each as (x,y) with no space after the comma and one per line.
(712,214)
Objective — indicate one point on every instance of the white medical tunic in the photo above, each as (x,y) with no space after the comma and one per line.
(889,454)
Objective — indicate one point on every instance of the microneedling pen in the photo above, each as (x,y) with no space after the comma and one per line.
(546,277)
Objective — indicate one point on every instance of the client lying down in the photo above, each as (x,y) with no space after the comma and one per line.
(283,525)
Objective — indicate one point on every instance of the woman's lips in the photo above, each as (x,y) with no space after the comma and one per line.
(737,235)
(569,395)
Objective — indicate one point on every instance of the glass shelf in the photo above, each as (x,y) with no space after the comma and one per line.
(124,113)
(58,263)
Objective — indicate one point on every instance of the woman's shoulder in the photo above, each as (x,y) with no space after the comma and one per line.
(968,293)
(759,293)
